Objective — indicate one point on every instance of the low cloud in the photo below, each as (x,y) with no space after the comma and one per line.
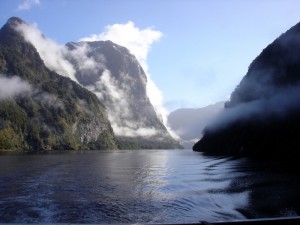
(13,86)
(48,100)
(128,132)
(53,54)
(28,4)
(283,101)
(79,54)
(138,41)
(123,122)
(59,57)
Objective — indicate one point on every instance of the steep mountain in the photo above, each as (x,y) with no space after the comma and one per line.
(116,77)
(189,123)
(263,115)
(41,110)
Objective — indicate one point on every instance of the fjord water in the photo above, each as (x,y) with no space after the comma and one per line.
(144,186)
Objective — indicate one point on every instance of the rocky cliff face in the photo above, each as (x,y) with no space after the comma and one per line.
(115,76)
(41,110)
(263,114)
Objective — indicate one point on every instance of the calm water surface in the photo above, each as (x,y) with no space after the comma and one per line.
(156,186)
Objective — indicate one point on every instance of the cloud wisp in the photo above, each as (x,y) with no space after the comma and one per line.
(279,104)
(53,54)
(13,86)
(138,41)
(28,4)
(123,122)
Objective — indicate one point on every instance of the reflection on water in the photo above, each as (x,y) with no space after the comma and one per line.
(157,186)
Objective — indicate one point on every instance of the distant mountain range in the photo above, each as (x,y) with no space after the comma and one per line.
(103,106)
(262,117)
(189,123)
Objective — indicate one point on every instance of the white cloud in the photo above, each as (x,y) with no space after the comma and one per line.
(57,57)
(14,86)
(11,87)
(128,132)
(138,41)
(48,100)
(122,120)
(52,53)
(128,35)
(28,4)
(80,55)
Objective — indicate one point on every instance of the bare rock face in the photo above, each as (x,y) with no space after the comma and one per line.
(116,77)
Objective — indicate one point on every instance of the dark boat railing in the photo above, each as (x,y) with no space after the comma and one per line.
(268,221)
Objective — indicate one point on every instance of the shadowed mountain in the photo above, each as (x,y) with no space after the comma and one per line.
(41,110)
(189,123)
(262,117)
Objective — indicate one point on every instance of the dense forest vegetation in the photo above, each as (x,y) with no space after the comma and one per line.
(56,113)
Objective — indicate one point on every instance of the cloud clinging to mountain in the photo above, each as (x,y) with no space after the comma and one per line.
(13,86)
(139,42)
(52,53)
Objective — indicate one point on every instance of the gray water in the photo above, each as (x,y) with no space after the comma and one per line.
(145,186)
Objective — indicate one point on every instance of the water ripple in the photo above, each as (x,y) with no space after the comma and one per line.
(165,186)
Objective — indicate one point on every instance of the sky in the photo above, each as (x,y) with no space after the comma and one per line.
(195,51)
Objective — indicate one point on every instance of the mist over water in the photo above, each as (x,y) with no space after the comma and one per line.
(146,186)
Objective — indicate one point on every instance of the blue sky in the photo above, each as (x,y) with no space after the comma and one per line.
(205,48)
